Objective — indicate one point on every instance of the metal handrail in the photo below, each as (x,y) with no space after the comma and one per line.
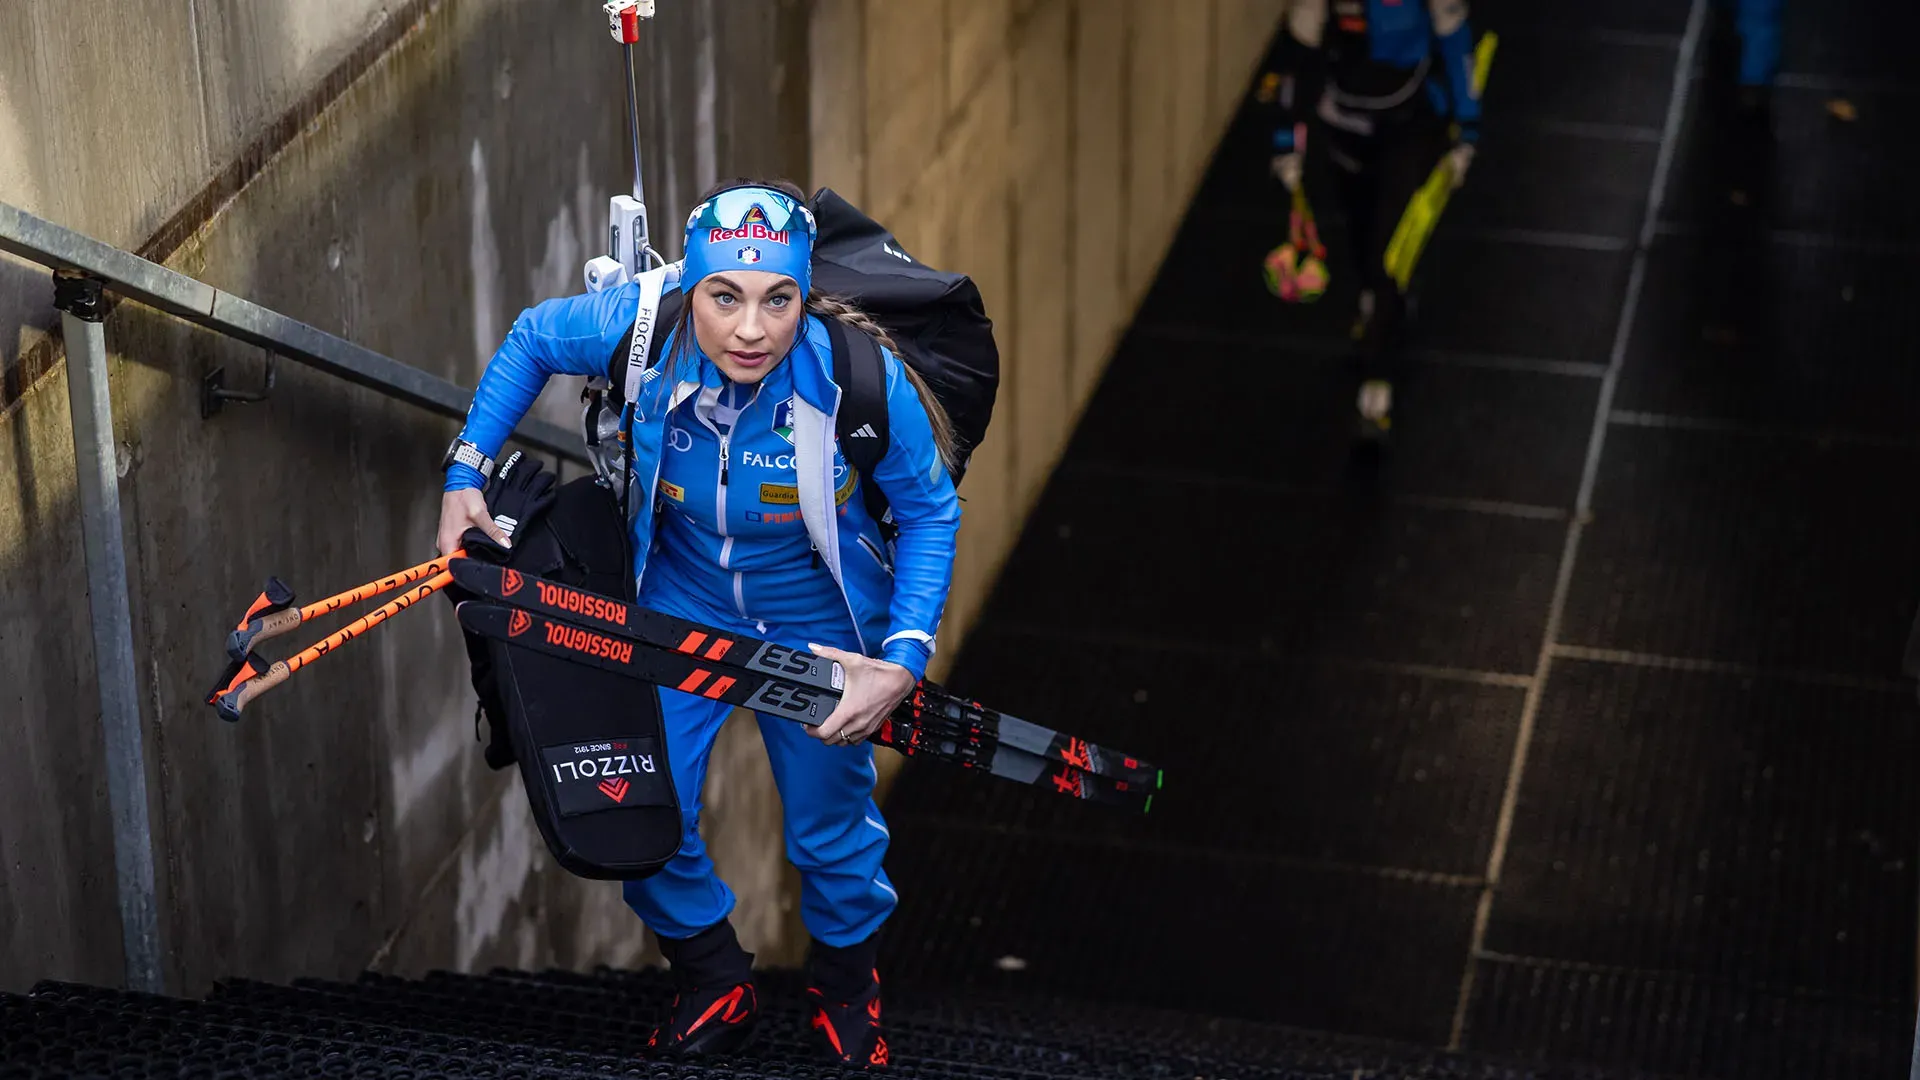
(59,248)
(82,269)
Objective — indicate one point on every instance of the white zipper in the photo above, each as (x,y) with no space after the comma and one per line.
(875,552)
(720,503)
(720,495)
(719,483)
(720,522)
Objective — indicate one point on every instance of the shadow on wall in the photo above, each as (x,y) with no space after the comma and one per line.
(348,818)
(26,349)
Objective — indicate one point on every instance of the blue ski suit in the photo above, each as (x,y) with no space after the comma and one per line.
(1380,56)
(746,517)
(1758,24)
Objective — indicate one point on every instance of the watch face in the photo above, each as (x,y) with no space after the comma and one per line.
(465,453)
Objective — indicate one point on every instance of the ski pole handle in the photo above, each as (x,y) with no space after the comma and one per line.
(368,621)
(231,704)
(244,639)
(240,642)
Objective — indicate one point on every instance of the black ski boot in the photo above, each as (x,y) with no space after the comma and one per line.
(714,1004)
(844,989)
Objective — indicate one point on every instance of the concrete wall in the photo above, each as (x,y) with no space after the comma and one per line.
(410,173)
(456,173)
(1049,149)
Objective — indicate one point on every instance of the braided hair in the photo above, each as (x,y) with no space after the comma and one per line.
(833,307)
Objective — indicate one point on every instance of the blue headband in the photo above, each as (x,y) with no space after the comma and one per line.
(750,228)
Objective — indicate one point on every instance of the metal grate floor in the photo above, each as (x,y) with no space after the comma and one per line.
(1702,862)
(512,1025)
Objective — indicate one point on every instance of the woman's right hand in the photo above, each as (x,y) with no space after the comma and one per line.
(462,510)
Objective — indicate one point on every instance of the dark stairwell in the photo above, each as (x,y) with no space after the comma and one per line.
(1569,743)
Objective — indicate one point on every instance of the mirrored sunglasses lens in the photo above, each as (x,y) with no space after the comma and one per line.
(731,209)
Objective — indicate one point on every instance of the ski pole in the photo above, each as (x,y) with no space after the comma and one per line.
(230,703)
(253,631)
(237,673)
(274,597)
(1296,271)
(274,606)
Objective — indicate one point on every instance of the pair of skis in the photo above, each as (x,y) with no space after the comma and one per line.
(599,631)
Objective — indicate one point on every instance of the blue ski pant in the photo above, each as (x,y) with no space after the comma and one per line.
(835,835)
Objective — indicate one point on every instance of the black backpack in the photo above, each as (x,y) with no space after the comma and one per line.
(936,319)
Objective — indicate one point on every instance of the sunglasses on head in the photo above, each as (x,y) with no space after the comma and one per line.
(735,208)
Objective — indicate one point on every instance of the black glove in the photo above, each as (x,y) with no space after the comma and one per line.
(522,490)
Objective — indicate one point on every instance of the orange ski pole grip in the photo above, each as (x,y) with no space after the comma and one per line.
(232,703)
(243,639)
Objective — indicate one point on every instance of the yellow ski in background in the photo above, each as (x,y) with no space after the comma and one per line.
(1424,209)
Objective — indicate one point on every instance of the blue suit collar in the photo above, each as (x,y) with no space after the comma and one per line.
(810,364)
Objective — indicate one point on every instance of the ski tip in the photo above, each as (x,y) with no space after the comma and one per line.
(1159,779)
(1148,809)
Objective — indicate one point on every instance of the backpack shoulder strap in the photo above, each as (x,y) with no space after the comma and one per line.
(639,351)
(670,306)
(637,354)
(860,370)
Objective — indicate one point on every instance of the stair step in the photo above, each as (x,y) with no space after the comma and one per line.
(518,1025)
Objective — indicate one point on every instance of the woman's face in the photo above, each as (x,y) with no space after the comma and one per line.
(745,321)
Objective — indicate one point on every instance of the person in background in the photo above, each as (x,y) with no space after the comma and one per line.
(1752,27)
(1389,83)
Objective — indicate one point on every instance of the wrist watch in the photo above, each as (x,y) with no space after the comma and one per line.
(462,452)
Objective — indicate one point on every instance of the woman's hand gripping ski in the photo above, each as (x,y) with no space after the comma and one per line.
(874,688)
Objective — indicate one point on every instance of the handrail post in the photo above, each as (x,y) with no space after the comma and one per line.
(79,299)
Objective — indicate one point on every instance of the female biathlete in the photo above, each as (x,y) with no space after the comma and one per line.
(1389,82)
(754,523)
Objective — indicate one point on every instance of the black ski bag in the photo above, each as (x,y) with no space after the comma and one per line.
(591,749)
